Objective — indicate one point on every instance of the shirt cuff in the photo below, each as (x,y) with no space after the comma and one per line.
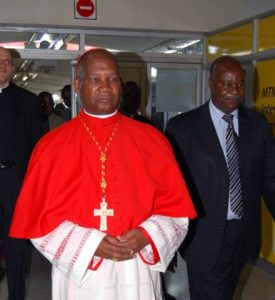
(95,263)
(149,256)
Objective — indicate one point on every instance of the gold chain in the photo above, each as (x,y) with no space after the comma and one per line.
(103,153)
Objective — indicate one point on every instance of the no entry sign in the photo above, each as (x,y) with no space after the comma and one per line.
(85,9)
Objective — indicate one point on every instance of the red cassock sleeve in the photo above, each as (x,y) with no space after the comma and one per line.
(63,179)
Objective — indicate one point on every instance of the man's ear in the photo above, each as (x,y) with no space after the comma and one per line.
(210,83)
(76,85)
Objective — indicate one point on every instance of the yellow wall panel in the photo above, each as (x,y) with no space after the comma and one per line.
(235,42)
(265,92)
(265,103)
(266,34)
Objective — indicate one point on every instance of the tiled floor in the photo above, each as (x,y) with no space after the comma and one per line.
(38,278)
(255,284)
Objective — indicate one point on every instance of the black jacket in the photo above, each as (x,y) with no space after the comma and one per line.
(201,158)
(20,125)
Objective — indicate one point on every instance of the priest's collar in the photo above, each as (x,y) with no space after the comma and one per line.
(5,85)
(100,116)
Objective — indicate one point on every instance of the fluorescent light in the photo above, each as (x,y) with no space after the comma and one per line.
(56,97)
(33,75)
(170,51)
(58,44)
(15,76)
(213,49)
(154,72)
(185,45)
(240,53)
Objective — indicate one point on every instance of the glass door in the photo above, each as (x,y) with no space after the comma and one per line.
(174,88)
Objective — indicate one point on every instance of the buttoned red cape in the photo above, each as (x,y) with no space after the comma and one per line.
(63,178)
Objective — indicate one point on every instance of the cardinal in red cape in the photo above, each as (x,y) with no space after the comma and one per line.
(103,198)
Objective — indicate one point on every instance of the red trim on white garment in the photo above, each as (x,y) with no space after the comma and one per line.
(156,257)
(96,266)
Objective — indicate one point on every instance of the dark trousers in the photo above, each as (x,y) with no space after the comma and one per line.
(14,248)
(220,282)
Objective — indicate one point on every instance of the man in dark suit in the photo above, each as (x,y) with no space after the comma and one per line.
(226,234)
(131,100)
(20,128)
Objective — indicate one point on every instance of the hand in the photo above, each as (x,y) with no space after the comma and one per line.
(134,240)
(112,248)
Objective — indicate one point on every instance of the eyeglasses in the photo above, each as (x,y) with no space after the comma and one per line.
(6,62)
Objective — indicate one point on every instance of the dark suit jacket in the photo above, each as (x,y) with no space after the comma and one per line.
(20,126)
(201,158)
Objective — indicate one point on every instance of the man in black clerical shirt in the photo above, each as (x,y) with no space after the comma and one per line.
(130,102)
(20,128)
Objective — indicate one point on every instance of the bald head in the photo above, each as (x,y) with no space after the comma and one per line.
(221,62)
(93,55)
(6,51)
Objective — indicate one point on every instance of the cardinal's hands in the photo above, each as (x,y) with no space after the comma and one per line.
(122,247)
(134,240)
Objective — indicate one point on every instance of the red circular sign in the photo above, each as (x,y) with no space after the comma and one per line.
(85,8)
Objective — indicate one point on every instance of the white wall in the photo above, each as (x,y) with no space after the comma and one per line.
(186,15)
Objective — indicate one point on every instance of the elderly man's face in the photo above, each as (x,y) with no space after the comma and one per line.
(6,66)
(99,85)
(227,86)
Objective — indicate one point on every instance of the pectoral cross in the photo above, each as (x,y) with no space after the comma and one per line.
(103,212)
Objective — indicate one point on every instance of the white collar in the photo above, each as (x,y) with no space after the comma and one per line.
(4,86)
(101,116)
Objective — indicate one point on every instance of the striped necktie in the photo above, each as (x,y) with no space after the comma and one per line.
(235,189)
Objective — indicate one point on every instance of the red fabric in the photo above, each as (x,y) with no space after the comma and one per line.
(63,178)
